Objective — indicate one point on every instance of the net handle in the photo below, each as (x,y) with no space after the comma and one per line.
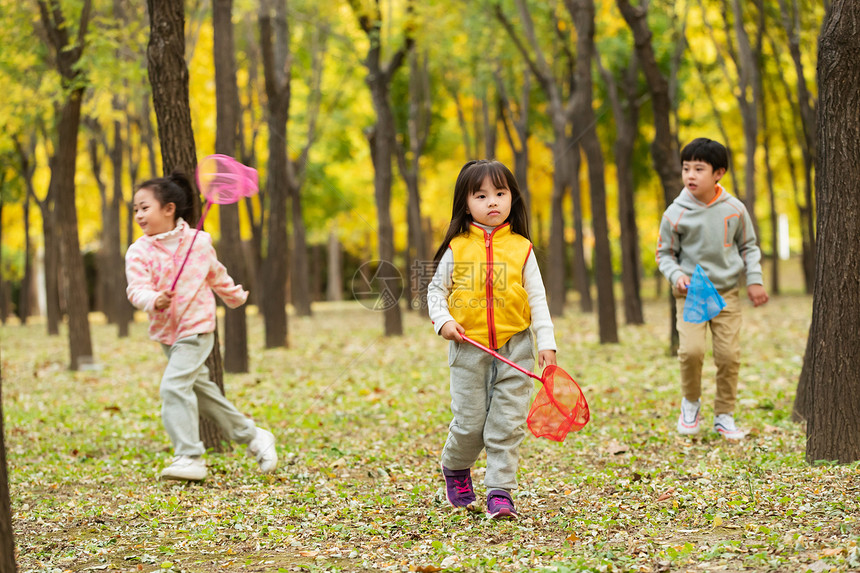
(502,358)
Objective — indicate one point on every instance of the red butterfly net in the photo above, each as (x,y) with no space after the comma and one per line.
(560,405)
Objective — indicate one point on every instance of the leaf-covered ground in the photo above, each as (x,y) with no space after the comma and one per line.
(361,419)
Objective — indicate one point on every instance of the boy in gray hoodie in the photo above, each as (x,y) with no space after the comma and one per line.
(705,225)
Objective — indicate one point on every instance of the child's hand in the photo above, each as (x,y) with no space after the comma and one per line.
(163,299)
(452,330)
(682,283)
(546,358)
(757,294)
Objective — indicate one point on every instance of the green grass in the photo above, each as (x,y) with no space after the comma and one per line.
(360,421)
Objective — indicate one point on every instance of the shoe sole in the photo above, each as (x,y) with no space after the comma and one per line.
(503,513)
(181,478)
(730,435)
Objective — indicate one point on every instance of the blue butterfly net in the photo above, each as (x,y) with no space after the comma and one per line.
(703,301)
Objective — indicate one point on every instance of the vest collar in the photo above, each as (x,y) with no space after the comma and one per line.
(478,231)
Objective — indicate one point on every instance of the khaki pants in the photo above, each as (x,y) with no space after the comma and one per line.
(725,332)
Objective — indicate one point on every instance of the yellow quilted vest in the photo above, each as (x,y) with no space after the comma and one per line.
(487,296)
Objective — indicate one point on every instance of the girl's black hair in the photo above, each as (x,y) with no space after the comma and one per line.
(175,188)
(469,181)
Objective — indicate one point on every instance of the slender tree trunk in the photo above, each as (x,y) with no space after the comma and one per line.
(334,288)
(582,12)
(771,193)
(7,534)
(833,421)
(274,44)
(556,273)
(626,115)
(75,283)
(378,79)
(301,295)
(809,139)
(168,76)
(68,53)
(581,277)
(226,126)
(665,155)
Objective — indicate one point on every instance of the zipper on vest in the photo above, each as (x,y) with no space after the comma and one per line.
(491,317)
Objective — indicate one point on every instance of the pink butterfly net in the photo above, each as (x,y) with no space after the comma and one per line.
(222,181)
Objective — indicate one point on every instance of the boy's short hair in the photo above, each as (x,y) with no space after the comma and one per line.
(707,150)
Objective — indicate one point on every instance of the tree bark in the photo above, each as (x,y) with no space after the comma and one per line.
(561,110)
(7,534)
(274,45)
(665,155)
(807,139)
(378,79)
(67,54)
(417,132)
(626,114)
(168,76)
(226,129)
(833,421)
(517,116)
(582,12)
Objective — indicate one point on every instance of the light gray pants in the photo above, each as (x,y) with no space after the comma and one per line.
(187,392)
(490,403)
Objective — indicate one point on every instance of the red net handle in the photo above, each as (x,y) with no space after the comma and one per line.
(502,358)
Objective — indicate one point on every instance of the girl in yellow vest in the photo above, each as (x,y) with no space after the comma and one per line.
(488,286)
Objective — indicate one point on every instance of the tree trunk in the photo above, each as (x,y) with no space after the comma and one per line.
(334,288)
(226,129)
(556,290)
(833,421)
(519,120)
(274,270)
(417,132)
(300,276)
(384,149)
(582,12)
(808,139)
(168,76)
(68,53)
(75,283)
(379,77)
(7,534)
(771,193)
(665,155)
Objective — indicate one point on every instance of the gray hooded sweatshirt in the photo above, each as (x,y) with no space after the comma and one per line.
(719,236)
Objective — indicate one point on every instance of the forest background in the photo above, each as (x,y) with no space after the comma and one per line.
(738,72)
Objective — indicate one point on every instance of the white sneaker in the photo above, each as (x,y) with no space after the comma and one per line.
(185,468)
(690,418)
(262,447)
(725,425)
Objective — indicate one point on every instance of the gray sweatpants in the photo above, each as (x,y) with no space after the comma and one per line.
(490,403)
(187,392)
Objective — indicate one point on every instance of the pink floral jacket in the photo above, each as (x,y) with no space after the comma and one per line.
(150,268)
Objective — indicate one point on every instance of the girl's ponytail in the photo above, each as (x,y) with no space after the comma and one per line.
(177,189)
(185,209)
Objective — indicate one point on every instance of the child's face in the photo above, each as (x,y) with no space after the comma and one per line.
(490,206)
(700,179)
(153,217)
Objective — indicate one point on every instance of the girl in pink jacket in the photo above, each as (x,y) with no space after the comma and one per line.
(183,321)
